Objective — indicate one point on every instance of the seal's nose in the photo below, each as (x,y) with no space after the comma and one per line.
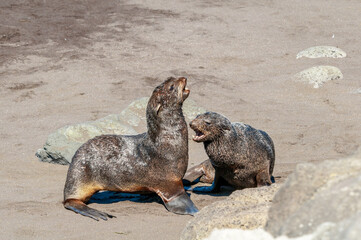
(183,79)
(191,124)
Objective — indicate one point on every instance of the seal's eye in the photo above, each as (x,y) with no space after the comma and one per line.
(171,87)
(207,122)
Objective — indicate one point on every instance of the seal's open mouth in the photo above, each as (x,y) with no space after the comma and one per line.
(185,93)
(184,90)
(199,137)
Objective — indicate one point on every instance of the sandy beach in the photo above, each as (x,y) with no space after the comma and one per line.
(66,62)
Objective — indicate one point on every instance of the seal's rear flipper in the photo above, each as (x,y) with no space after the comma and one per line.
(181,204)
(80,207)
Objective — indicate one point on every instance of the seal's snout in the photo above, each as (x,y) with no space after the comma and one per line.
(192,125)
(185,91)
(200,135)
(183,79)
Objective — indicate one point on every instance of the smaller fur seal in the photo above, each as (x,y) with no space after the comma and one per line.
(154,161)
(241,155)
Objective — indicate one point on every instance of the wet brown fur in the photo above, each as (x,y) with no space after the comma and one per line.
(240,154)
(155,161)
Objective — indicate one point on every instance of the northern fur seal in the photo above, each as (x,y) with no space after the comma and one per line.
(154,161)
(240,154)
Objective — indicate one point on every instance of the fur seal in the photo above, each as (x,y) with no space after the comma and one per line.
(241,155)
(154,161)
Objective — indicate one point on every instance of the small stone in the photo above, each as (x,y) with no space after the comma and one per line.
(322,51)
(318,75)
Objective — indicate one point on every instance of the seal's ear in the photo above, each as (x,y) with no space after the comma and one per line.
(158,108)
(226,126)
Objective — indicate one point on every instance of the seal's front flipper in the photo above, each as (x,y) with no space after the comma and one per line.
(79,207)
(203,171)
(181,204)
(263,178)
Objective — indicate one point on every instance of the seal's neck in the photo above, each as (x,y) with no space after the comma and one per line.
(169,124)
(220,147)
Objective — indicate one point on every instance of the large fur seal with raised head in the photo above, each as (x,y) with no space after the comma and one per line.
(154,161)
(239,154)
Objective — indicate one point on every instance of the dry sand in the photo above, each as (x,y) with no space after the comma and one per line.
(64,62)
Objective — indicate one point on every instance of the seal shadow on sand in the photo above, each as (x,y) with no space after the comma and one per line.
(107,197)
(225,190)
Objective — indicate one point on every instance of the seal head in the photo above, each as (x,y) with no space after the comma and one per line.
(209,126)
(169,95)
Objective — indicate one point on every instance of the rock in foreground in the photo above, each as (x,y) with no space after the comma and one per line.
(346,230)
(314,195)
(317,202)
(244,209)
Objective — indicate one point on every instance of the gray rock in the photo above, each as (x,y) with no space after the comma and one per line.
(244,209)
(134,114)
(322,51)
(191,110)
(238,234)
(62,144)
(318,75)
(313,195)
(349,229)
(57,149)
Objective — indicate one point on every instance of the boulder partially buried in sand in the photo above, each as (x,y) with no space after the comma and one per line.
(244,209)
(61,145)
